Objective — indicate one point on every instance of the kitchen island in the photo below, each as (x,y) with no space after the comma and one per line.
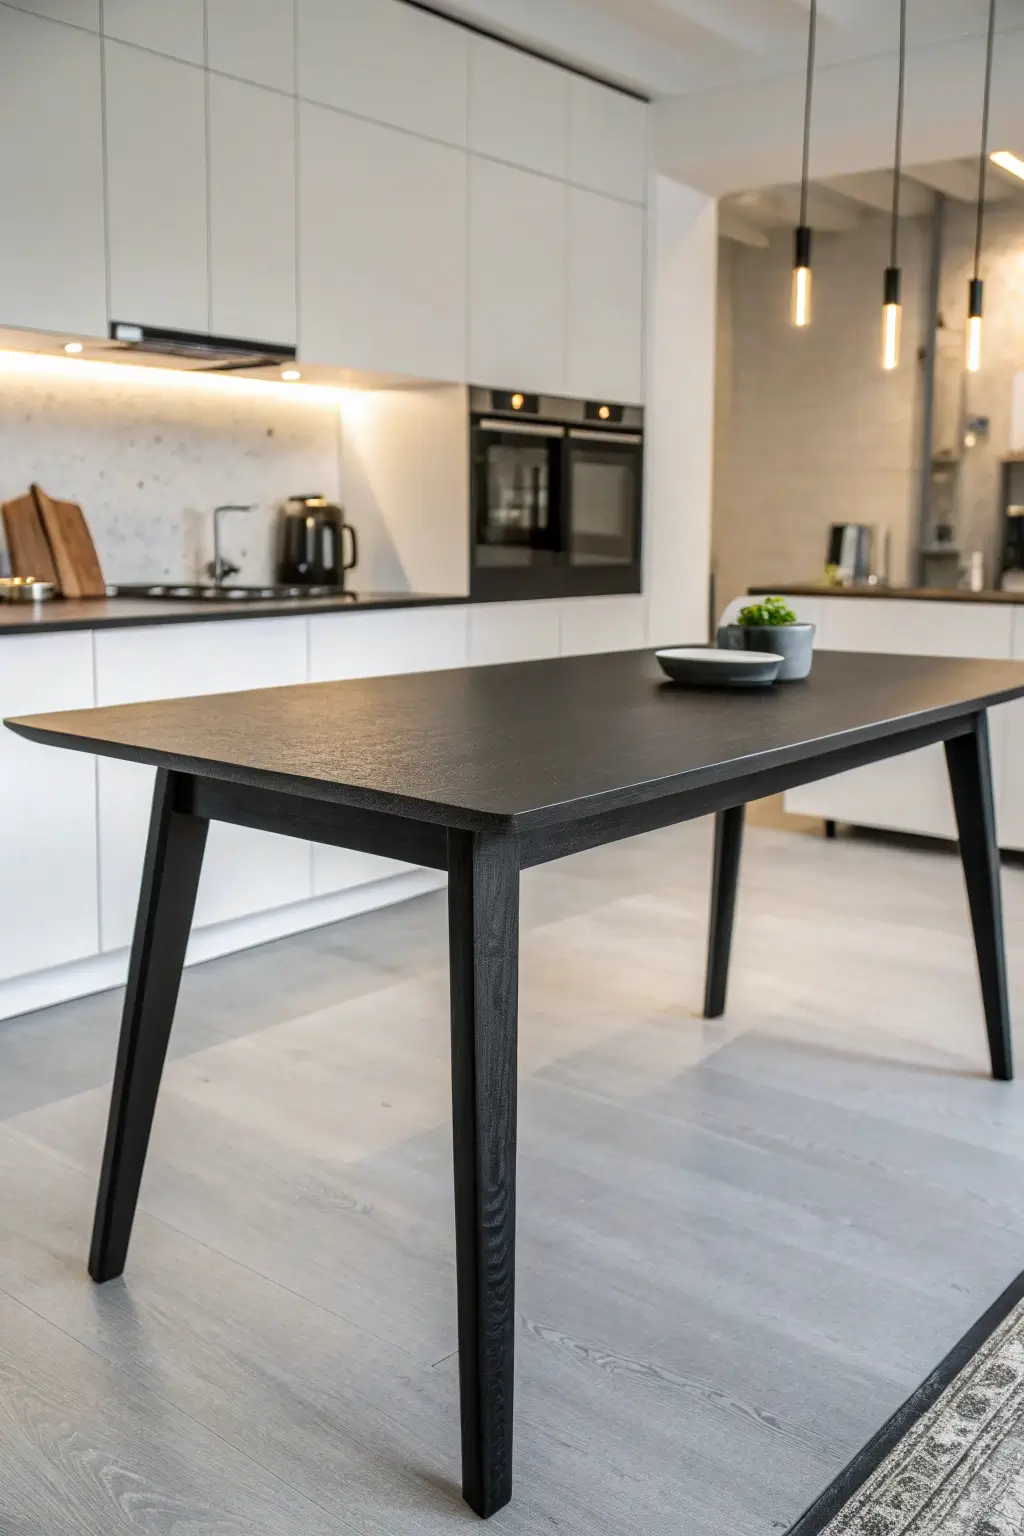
(910,794)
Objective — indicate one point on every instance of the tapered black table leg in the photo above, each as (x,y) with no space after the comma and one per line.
(724,881)
(483,919)
(970,779)
(170,878)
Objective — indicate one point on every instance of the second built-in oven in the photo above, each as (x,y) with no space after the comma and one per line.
(556,496)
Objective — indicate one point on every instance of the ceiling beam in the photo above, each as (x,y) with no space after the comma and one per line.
(731,226)
(874,190)
(958,179)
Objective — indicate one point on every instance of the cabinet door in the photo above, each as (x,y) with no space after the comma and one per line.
(156,190)
(52,255)
(382,248)
(253,40)
(516,278)
(500,632)
(79,13)
(348,645)
(387,61)
(244,871)
(252,212)
(593,624)
(606,298)
(1008,753)
(48,850)
(607,140)
(518,107)
(173,27)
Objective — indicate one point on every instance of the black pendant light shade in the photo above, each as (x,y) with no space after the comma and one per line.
(974,290)
(892,307)
(801,300)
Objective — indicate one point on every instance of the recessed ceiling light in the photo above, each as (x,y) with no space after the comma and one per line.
(1008,162)
(72,346)
(291,374)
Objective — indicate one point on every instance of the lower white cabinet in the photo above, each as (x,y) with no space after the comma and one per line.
(244,871)
(48,852)
(501,632)
(594,624)
(350,645)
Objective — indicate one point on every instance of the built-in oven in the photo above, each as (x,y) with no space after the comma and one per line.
(556,496)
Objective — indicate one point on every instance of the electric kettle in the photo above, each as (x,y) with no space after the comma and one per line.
(311,543)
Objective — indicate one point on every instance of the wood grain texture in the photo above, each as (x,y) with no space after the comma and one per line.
(27,544)
(483,921)
(74,552)
(170,880)
(537,744)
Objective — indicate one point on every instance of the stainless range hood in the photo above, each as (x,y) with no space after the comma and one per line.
(206,354)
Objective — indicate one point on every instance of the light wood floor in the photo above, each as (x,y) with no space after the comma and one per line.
(741,1244)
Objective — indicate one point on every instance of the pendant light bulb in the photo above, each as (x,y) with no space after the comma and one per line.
(801,310)
(974,326)
(892,320)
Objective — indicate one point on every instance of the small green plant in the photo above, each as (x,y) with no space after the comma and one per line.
(771,611)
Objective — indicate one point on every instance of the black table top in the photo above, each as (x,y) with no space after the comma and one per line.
(530,744)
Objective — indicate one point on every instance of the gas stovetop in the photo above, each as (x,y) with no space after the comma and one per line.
(199,591)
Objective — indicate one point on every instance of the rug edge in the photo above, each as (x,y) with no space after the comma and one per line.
(857,1471)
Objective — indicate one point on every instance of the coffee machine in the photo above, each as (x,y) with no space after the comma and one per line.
(312,538)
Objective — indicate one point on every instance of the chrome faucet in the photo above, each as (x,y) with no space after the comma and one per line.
(219,569)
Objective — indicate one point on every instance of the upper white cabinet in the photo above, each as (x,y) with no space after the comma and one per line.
(174,27)
(156,189)
(607,140)
(517,278)
(48,851)
(252,39)
(252,212)
(605,298)
(518,107)
(385,60)
(52,257)
(382,248)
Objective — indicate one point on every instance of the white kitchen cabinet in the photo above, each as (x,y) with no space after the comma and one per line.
(605,298)
(517,273)
(387,61)
(252,212)
(156,189)
(607,140)
(518,107)
(48,850)
(173,27)
(52,255)
(244,871)
(909,793)
(350,645)
(610,623)
(1007,725)
(77,13)
(500,632)
(253,40)
(382,248)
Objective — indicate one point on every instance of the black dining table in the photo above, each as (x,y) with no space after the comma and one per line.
(483,772)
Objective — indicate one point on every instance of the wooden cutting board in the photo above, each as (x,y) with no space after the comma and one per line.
(74,553)
(27,543)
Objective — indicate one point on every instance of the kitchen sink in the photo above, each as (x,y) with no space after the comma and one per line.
(200,591)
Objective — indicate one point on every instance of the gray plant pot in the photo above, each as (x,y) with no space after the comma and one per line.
(793,642)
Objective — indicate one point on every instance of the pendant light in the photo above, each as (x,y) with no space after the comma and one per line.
(974,290)
(892,308)
(801,304)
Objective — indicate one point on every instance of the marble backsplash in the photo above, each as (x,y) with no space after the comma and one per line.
(148,454)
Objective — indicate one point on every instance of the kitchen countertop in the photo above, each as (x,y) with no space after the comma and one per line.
(914,594)
(128,612)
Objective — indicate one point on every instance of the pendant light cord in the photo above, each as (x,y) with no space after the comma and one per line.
(894,235)
(983,160)
(812,32)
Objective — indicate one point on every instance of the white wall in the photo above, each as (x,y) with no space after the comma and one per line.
(682,274)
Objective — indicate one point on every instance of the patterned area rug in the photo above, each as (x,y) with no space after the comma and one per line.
(951,1461)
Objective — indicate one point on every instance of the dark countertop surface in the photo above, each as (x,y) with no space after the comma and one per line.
(532,744)
(924,594)
(126,612)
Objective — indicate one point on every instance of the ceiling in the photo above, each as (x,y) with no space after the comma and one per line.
(676,47)
(840,203)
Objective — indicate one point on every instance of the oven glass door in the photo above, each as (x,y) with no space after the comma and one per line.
(605,487)
(517,474)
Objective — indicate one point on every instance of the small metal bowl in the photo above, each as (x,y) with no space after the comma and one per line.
(25,589)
